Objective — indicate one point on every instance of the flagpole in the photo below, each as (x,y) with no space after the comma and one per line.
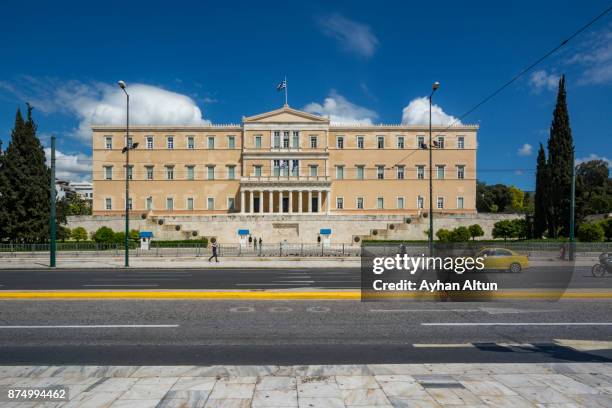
(286,90)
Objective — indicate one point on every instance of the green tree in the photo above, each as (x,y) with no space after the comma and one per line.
(78,206)
(521,228)
(63,233)
(443,235)
(79,234)
(134,235)
(518,198)
(475,231)
(495,198)
(560,163)
(104,235)
(460,234)
(590,232)
(24,185)
(540,215)
(593,195)
(504,229)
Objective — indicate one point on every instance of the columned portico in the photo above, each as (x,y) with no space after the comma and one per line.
(276,197)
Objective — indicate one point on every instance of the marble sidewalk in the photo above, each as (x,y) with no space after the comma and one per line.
(313,386)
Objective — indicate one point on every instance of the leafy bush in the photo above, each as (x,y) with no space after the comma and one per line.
(475,231)
(503,229)
(591,232)
(62,233)
(460,234)
(443,235)
(607,228)
(104,235)
(79,234)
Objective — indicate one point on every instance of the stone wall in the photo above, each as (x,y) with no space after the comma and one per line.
(294,228)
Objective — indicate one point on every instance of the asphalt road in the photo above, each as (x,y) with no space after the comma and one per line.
(255,278)
(164,332)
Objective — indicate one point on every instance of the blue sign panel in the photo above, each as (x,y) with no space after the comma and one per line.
(325,231)
(243,232)
(146,234)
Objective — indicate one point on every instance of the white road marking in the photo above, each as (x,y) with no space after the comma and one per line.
(94,326)
(522,324)
(130,285)
(318,309)
(281,309)
(294,281)
(242,309)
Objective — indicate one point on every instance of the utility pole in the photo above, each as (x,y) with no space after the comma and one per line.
(435,86)
(52,218)
(572,213)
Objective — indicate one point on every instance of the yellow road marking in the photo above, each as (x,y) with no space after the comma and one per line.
(291,295)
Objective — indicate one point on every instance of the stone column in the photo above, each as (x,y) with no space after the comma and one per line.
(251,199)
(261,201)
(309,201)
(271,201)
(319,204)
(328,199)
(242,202)
(300,193)
(290,201)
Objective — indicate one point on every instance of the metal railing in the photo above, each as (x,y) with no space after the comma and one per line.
(183,249)
(71,250)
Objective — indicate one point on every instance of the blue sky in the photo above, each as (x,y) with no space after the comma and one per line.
(192,62)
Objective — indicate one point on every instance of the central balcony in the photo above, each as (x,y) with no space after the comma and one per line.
(286,180)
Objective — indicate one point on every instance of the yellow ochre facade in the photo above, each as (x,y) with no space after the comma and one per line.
(285,162)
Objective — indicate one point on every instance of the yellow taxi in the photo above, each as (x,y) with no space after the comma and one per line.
(504,259)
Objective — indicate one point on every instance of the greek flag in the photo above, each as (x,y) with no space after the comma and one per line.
(282,85)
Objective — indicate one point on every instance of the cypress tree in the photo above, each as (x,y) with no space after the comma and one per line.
(541,195)
(560,162)
(24,185)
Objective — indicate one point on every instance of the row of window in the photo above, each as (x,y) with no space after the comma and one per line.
(189,203)
(289,167)
(170,142)
(400,142)
(400,203)
(169,172)
(288,139)
(360,172)
(359,203)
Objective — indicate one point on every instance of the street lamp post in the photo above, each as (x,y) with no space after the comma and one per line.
(126,150)
(434,87)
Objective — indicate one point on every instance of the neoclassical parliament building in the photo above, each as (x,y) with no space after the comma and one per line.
(284,162)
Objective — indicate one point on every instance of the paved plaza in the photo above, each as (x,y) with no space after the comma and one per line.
(313,386)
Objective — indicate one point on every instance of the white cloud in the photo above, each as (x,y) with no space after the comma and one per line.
(351,35)
(339,110)
(70,167)
(541,80)
(417,113)
(595,56)
(594,156)
(100,103)
(525,150)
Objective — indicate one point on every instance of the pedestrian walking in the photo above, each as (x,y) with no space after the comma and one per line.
(255,243)
(260,242)
(214,252)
